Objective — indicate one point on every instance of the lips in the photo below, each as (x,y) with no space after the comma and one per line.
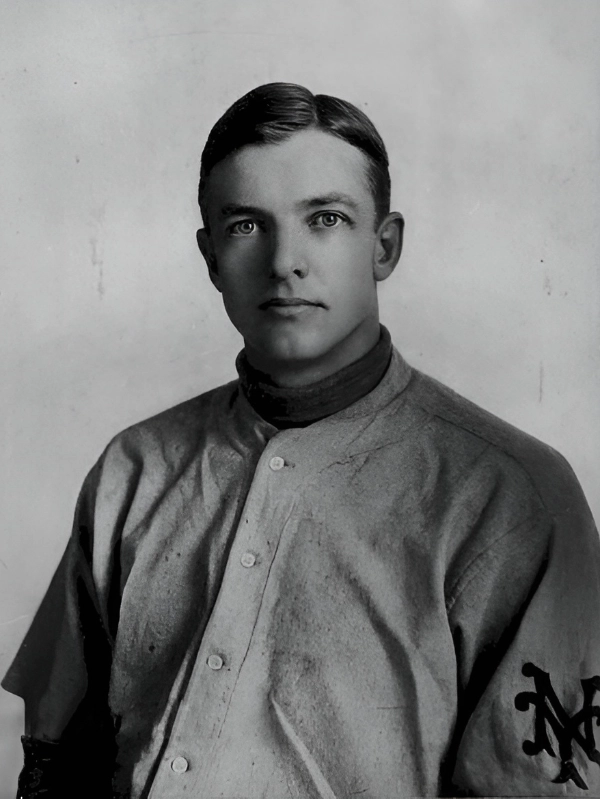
(289,302)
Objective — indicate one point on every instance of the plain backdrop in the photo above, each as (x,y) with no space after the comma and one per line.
(490,110)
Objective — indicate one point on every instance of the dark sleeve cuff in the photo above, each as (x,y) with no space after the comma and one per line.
(41,769)
(56,770)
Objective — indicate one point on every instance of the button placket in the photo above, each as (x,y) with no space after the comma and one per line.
(234,619)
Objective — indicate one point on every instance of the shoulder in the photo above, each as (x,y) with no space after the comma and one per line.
(470,439)
(171,435)
(508,500)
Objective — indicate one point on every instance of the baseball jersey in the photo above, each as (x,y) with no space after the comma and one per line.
(398,600)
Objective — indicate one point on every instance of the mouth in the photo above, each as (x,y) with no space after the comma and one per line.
(290,302)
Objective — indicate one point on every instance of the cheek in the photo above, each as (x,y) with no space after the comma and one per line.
(353,267)
(239,271)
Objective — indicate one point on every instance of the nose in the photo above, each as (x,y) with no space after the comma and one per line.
(286,257)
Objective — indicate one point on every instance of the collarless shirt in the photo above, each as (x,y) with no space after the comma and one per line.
(343,609)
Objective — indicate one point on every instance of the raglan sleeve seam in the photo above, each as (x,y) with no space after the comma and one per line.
(474,566)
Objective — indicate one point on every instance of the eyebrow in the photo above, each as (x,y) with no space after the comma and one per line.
(239,210)
(335,198)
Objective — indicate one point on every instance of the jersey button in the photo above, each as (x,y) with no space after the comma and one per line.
(248,560)
(179,765)
(276,463)
(215,662)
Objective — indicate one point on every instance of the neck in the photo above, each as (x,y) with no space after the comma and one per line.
(297,373)
(299,406)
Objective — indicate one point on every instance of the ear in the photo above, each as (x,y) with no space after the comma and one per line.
(205,246)
(388,245)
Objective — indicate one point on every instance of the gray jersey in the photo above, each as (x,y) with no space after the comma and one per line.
(399,600)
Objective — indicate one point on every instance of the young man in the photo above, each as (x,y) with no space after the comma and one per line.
(333,576)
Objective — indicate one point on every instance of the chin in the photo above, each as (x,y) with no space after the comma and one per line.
(294,346)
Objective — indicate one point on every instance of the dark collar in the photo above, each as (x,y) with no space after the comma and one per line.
(298,407)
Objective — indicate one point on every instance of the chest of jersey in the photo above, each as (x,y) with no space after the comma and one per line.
(285,624)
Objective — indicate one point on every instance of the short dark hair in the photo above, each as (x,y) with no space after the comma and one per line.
(273,112)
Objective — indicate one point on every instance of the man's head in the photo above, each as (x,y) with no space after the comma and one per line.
(295,192)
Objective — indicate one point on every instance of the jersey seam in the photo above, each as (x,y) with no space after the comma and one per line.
(466,577)
(493,444)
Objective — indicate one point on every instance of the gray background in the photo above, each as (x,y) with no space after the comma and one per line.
(490,110)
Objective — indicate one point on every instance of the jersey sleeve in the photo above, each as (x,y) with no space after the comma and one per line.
(525,620)
(62,668)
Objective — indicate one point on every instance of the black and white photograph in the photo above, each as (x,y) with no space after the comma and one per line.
(300,334)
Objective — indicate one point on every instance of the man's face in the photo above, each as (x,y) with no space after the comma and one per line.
(291,247)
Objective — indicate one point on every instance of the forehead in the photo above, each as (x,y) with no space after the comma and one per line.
(310,163)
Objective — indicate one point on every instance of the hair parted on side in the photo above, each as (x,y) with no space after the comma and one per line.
(271,113)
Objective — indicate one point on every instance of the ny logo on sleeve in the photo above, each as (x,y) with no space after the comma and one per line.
(567,729)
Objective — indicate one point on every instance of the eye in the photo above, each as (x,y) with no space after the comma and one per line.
(243,228)
(327,219)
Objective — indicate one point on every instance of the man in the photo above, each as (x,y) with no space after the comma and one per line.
(334,576)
